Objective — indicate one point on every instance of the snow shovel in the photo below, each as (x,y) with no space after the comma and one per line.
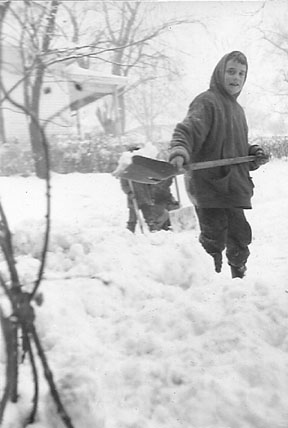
(182,218)
(147,170)
(152,171)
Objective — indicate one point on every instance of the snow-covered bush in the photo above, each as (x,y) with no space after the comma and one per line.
(96,153)
(99,153)
(277,146)
(16,159)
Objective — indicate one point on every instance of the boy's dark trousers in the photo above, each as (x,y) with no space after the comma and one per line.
(225,228)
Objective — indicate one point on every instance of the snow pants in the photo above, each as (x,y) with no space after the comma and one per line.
(222,228)
(155,216)
(132,220)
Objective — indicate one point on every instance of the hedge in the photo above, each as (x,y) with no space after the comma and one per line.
(97,154)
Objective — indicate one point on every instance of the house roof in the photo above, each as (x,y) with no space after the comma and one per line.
(86,86)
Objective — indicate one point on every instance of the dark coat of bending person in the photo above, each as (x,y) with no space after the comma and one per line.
(215,127)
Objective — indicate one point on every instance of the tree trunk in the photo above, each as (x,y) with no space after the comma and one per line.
(36,136)
(2,123)
(116,69)
(38,151)
(122,113)
(3,9)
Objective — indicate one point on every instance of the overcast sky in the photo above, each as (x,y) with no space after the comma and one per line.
(227,26)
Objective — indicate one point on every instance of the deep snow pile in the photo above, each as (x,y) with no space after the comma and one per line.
(138,329)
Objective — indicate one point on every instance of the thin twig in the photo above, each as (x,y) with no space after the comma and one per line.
(31,418)
(7,248)
(12,345)
(49,377)
(5,326)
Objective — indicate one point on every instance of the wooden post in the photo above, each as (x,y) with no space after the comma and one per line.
(78,124)
(116,111)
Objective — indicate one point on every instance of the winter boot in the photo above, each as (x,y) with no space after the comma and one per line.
(217,261)
(131,226)
(238,271)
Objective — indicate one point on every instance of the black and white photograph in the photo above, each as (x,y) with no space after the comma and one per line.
(143,214)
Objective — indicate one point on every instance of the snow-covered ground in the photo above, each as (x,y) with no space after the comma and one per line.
(139,330)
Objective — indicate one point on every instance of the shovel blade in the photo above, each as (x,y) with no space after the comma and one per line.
(183,219)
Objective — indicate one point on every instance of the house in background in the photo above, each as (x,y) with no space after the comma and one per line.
(68,100)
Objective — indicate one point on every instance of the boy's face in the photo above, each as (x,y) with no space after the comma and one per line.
(234,76)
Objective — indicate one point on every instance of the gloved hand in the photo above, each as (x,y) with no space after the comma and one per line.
(261,157)
(178,162)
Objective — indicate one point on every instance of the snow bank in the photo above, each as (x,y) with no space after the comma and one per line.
(138,329)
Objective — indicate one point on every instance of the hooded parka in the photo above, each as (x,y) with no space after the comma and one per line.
(215,128)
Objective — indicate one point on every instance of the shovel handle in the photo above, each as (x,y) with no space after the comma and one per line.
(219,162)
(136,208)
(177,190)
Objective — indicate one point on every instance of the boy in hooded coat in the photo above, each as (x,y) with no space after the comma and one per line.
(215,127)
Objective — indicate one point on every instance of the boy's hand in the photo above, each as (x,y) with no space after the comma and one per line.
(178,162)
(261,157)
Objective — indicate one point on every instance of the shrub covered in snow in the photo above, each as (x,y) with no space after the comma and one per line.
(16,159)
(94,154)
(277,146)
